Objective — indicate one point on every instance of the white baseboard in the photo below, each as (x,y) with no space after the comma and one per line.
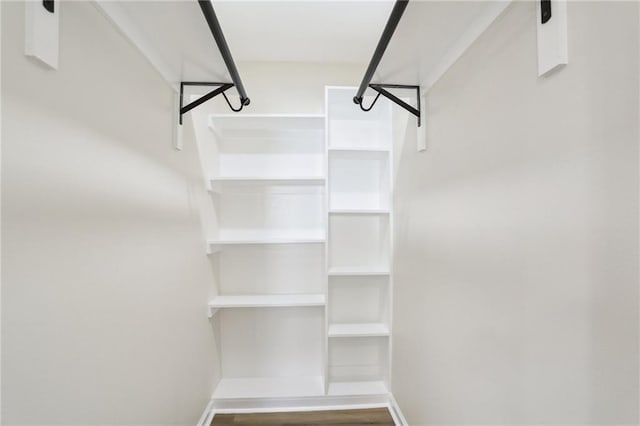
(319,403)
(207,415)
(279,405)
(396,413)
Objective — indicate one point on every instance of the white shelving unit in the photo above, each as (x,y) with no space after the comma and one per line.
(298,229)
(266,237)
(359,235)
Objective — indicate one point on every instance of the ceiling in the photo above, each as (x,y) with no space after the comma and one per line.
(299,31)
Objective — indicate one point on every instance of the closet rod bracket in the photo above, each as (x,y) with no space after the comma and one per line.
(220,89)
(381,89)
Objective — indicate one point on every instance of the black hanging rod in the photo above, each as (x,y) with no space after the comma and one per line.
(387,33)
(223,47)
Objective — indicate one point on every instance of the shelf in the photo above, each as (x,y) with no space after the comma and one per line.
(357,149)
(218,182)
(357,388)
(267,387)
(267,301)
(359,211)
(357,272)
(217,245)
(289,180)
(358,330)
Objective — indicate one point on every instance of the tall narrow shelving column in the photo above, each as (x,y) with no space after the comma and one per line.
(359,246)
(267,246)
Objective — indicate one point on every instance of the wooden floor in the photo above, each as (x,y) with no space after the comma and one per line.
(372,416)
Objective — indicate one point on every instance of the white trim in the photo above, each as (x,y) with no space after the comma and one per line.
(300,409)
(475,30)
(115,13)
(207,415)
(284,405)
(259,405)
(396,413)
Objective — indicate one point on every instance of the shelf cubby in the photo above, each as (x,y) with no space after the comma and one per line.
(358,300)
(275,147)
(278,214)
(358,359)
(359,242)
(270,352)
(271,269)
(359,181)
(350,127)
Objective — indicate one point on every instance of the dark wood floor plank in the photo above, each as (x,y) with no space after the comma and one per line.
(223,419)
(373,416)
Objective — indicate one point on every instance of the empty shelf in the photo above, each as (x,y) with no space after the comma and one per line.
(217,245)
(359,211)
(266,387)
(359,330)
(267,301)
(359,149)
(218,181)
(358,272)
(357,388)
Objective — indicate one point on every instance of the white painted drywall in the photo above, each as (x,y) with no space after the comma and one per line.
(287,87)
(516,263)
(105,280)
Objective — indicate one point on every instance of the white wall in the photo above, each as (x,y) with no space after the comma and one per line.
(104,279)
(288,87)
(516,286)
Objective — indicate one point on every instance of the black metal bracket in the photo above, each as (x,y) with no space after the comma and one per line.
(219,90)
(545,11)
(381,89)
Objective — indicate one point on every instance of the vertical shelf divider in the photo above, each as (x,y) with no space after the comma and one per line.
(326,246)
